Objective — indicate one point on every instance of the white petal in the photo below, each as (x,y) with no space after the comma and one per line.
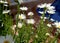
(49,25)
(30,21)
(23,8)
(42,5)
(51,8)
(20,25)
(41,12)
(31,13)
(6,11)
(2,38)
(48,5)
(9,38)
(22,16)
(51,12)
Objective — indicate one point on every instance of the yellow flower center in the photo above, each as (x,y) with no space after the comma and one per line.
(6,41)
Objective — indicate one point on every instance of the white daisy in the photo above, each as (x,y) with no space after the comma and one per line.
(57,24)
(30,21)
(7,39)
(30,13)
(6,11)
(49,25)
(23,8)
(20,25)
(48,8)
(22,16)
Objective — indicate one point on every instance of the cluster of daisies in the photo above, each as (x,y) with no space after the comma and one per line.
(23,20)
(48,8)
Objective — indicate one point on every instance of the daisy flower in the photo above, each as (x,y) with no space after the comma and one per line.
(23,8)
(48,8)
(30,13)
(20,25)
(7,39)
(49,25)
(6,11)
(30,21)
(57,24)
(22,16)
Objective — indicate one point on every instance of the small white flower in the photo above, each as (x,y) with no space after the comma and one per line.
(57,24)
(13,27)
(6,11)
(47,34)
(30,21)
(52,19)
(23,8)
(22,16)
(7,39)
(30,13)
(1,1)
(48,8)
(20,25)
(49,25)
